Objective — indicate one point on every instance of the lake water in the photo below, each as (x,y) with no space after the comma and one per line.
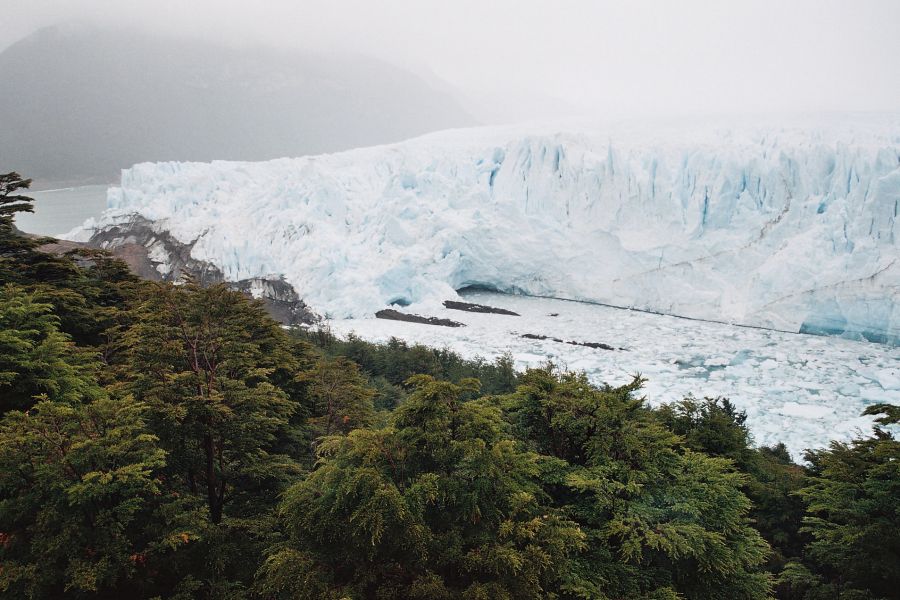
(58,211)
(804,390)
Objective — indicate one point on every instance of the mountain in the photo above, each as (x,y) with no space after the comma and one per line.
(792,227)
(79,104)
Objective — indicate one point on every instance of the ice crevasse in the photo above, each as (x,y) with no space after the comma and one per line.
(785,226)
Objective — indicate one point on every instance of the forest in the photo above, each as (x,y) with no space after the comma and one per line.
(173,441)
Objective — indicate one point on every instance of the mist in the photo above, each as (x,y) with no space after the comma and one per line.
(539,59)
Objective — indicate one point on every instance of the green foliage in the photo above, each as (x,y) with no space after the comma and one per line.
(340,395)
(221,384)
(20,260)
(713,426)
(203,360)
(396,361)
(777,507)
(80,499)
(36,359)
(441,504)
(91,300)
(886,414)
(15,249)
(11,202)
(853,518)
(660,519)
(85,287)
(161,441)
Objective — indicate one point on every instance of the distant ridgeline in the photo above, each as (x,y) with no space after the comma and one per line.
(791,228)
(89,102)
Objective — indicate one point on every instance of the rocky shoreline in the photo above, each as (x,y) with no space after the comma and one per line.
(156,255)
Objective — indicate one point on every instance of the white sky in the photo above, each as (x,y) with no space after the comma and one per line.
(620,58)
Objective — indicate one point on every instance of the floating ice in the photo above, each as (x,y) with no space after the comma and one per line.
(802,390)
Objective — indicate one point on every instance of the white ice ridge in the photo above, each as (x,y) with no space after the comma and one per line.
(791,224)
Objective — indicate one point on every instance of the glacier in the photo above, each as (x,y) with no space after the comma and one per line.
(787,224)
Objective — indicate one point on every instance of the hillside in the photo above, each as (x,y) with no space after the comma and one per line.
(79,104)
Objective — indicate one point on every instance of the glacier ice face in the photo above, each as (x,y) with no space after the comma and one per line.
(764,224)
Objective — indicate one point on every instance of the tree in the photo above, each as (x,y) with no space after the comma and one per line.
(441,504)
(94,298)
(853,518)
(341,397)
(81,503)
(19,258)
(87,288)
(14,247)
(36,359)
(711,425)
(715,427)
(662,521)
(203,359)
(218,377)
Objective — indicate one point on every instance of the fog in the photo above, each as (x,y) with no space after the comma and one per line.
(548,59)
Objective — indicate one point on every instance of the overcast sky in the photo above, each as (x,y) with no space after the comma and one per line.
(631,57)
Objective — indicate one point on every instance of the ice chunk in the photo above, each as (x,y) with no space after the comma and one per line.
(888,379)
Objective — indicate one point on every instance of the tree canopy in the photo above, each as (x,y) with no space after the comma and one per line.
(172,441)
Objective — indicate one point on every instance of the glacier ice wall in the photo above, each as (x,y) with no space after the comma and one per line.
(792,227)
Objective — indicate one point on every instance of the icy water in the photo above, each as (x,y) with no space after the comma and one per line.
(803,390)
(58,211)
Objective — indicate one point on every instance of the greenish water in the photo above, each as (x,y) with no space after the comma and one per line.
(58,211)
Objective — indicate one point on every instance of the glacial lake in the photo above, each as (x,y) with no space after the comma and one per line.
(803,390)
(58,211)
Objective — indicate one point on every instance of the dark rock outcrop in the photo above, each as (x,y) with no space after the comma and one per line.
(156,255)
(396,315)
(594,345)
(478,308)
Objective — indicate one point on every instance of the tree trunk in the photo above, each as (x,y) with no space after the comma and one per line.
(214,500)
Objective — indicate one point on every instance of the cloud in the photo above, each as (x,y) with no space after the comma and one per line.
(610,58)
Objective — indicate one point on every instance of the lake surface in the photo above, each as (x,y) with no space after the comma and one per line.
(58,211)
(804,390)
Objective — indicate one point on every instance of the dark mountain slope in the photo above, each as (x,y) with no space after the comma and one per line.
(79,103)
